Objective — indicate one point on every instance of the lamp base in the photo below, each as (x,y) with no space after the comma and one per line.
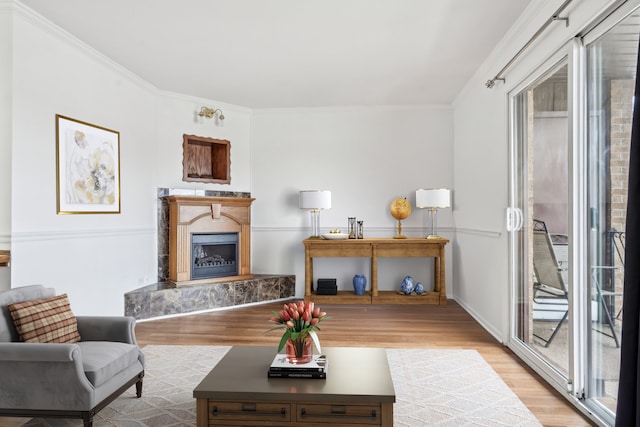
(314,237)
(433,236)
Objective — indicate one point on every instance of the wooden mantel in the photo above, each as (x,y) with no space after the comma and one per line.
(5,257)
(190,214)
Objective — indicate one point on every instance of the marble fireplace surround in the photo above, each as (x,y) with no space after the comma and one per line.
(167,298)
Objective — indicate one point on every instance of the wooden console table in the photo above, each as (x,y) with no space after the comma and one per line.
(374,249)
(5,257)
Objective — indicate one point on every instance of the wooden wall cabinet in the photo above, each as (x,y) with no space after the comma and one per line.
(206,160)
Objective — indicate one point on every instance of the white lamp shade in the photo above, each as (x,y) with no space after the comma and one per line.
(433,198)
(315,199)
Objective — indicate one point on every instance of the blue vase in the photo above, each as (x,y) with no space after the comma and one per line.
(359,284)
(407,285)
(419,288)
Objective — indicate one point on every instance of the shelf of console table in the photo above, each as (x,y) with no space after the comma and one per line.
(5,257)
(374,249)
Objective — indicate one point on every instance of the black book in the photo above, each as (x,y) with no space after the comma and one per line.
(281,374)
(280,368)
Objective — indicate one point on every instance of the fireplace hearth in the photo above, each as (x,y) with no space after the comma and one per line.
(168,299)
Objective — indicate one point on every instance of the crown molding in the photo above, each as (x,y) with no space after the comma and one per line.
(29,15)
(6,6)
(521,30)
(199,100)
(353,108)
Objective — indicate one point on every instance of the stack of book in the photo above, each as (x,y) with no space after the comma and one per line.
(317,368)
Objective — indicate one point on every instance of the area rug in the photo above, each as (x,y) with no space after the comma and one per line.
(434,387)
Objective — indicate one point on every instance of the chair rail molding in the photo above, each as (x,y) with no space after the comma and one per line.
(368,231)
(39,235)
(5,239)
(479,232)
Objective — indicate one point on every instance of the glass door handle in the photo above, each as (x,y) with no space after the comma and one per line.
(514,219)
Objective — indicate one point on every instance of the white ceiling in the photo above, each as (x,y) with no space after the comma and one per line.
(294,53)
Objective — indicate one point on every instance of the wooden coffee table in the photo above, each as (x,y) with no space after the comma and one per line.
(358,391)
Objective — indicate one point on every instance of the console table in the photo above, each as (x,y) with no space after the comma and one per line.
(374,249)
(5,257)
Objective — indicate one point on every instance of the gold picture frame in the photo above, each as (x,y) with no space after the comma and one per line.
(88,168)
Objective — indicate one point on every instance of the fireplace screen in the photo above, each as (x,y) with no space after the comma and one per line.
(214,255)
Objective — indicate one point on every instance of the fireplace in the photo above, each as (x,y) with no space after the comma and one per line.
(214,255)
(209,239)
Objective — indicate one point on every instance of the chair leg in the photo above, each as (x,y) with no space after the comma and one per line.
(139,388)
(548,341)
(609,322)
(87,421)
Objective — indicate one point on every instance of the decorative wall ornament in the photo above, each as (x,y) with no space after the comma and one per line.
(210,113)
(88,168)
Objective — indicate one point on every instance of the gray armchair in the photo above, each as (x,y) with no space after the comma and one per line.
(66,380)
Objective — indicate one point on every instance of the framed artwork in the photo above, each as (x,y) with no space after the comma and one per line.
(88,168)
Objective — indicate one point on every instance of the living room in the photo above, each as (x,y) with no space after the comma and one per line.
(367,154)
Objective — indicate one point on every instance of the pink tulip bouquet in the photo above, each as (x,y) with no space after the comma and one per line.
(299,321)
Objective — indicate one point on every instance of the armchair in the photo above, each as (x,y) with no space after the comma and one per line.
(55,380)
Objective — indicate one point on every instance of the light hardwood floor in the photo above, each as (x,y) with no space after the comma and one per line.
(396,326)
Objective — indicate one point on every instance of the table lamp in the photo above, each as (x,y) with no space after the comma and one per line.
(433,199)
(315,200)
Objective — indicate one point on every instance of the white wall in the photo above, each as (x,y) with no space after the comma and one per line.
(480,157)
(6,29)
(94,258)
(367,157)
(177,116)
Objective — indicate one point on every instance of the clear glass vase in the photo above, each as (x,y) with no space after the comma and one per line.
(299,351)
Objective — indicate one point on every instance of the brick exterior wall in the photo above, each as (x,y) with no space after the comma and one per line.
(621,117)
(622,92)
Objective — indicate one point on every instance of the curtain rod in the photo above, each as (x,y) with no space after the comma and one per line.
(555,17)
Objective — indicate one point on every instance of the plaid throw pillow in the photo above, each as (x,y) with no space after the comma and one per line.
(46,320)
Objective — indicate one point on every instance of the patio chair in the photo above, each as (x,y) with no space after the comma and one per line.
(549,288)
(603,291)
(601,294)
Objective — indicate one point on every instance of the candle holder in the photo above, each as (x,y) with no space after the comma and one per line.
(352,227)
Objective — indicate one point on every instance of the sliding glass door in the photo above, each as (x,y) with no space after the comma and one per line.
(541,129)
(611,56)
(569,158)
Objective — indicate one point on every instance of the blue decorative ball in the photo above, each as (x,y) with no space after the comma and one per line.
(419,288)
(407,285)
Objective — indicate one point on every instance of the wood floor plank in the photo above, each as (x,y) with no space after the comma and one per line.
(391,326)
